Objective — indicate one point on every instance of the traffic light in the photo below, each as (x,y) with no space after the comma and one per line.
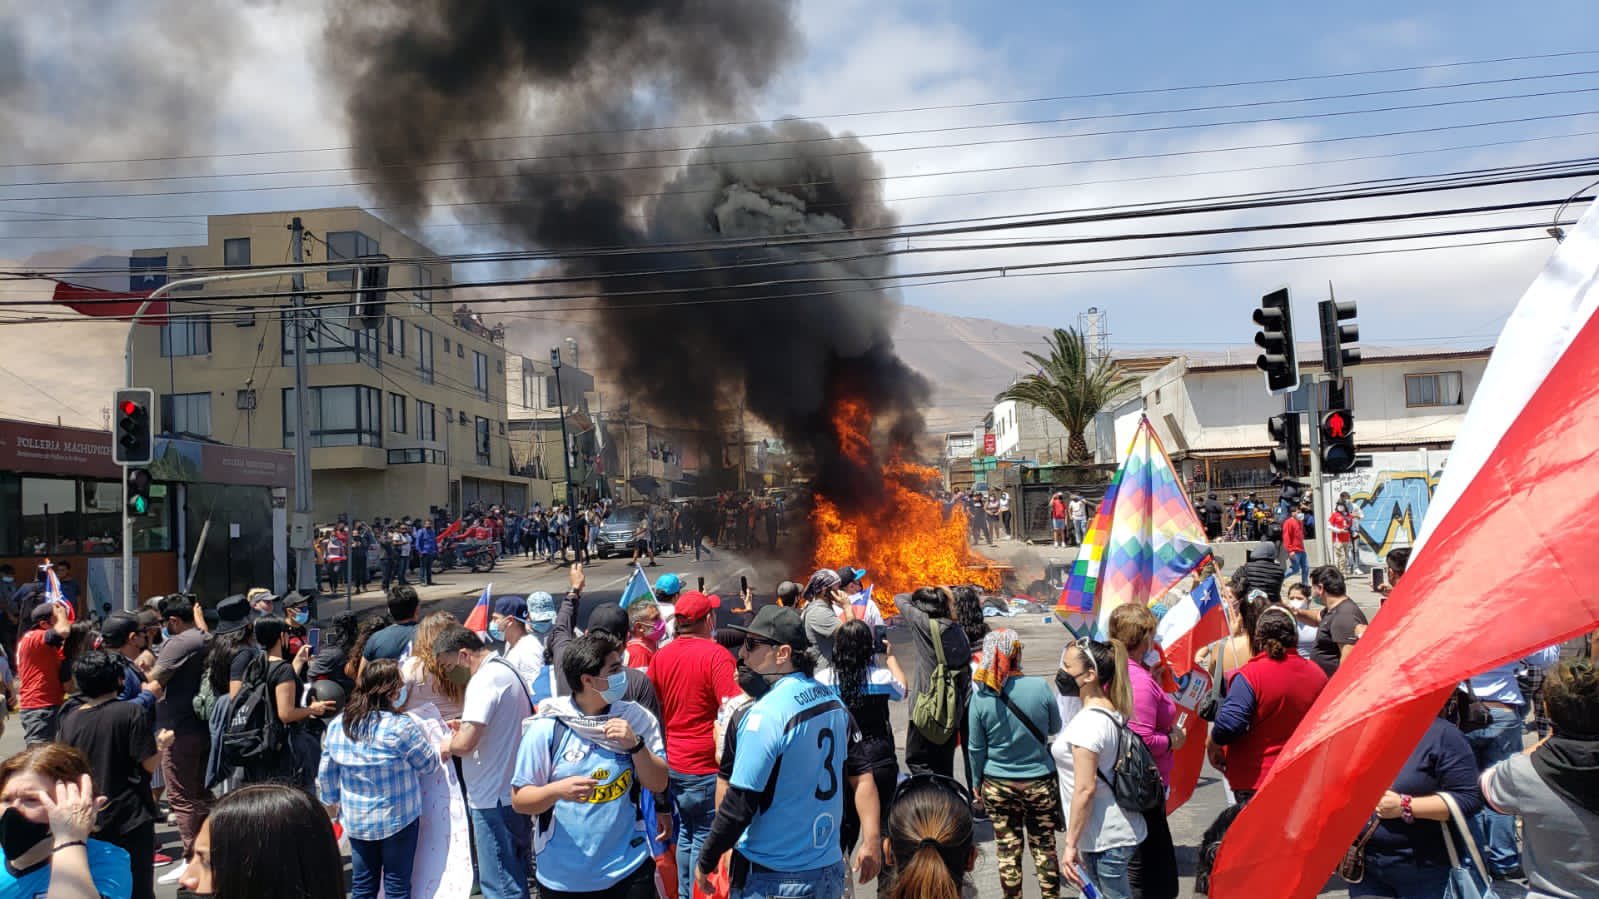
(1280,361)
(1337,339)
(371,290)
(1337,442)
(135,426)
(138,492)
(1284,431)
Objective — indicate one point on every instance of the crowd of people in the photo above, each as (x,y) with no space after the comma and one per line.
(656,752)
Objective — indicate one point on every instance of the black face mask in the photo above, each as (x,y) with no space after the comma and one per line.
(753,682)
(18,834)
(1066,684)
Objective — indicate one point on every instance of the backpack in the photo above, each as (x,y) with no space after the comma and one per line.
(936,713)
(205,699)
(1135,780)
(254,734)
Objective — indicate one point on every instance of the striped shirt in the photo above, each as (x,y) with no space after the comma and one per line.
(375,781)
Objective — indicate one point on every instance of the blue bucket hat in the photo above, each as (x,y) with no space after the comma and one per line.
(540,607)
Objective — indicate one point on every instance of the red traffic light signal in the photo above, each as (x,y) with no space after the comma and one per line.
(135,431)
(1335,425)
(1337,441)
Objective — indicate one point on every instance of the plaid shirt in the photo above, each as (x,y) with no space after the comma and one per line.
(374,780)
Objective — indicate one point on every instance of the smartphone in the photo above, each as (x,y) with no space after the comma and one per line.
(880,638)
(743,585)
(1378,573)
(702,585)
(313,639)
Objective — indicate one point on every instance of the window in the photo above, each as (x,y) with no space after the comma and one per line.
(424,354)
(460,350)
(426,425)
(333,337)
(340,416)
(186,413)
(484,457)
(446,346)
(1442,388)
(1299,400)
(350,245)
(396,336)
(186,336)
(416,457)
(424,288)
(236,251)
(480,374)
(397,413)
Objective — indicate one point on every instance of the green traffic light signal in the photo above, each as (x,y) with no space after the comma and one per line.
(140,505)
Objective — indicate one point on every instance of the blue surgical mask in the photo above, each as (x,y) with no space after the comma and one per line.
(615,686)
(542,627)
(399,698)
(302,616)
(165,634)
(8,579)
(495,633)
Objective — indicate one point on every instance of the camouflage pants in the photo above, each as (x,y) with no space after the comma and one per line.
(1026,809)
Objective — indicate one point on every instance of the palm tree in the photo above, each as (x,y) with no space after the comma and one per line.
(1070,386)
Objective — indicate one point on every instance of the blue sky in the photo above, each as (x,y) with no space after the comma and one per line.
(863,56)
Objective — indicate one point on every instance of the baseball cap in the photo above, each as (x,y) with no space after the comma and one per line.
(511,607)
(295,598)
(261,594)
(44,611)
(779,624)
(668,585)
(118,628)
(540,606)
(695,605)
(609,618)
(823,579)
(847,575)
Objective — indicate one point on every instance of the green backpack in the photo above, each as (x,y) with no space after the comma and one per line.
(937,711)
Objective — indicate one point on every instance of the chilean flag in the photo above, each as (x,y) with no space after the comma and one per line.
(478,621)
(1194,622)
(1522,483)
(98,303)
(52,590)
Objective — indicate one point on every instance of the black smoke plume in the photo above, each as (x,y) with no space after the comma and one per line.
(783,330)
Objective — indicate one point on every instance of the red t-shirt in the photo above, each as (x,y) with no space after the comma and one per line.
(692,677)
(1057,509)
(39,670)
(1340,522)
(639,653)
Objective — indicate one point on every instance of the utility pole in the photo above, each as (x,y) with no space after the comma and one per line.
(743,462)
(1318,504)
(305,559)
(566,446)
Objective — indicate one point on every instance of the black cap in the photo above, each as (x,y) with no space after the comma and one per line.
(43,612)
(779,624)
(610,618)
(295,598)
(118,628)
(233,614)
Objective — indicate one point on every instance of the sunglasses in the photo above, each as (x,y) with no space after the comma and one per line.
(939,780)
(752,643)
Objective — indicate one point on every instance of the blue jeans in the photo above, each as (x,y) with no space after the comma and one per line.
(504,842)
(1401,879)
(826,882)
(694,795)
(1298,562)
(1496,833)
(1108,871)
(388,859)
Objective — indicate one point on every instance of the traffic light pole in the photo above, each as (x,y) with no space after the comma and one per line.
(1318,504)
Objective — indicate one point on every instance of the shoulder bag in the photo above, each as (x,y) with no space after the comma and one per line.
(1038,734)
(1466,881)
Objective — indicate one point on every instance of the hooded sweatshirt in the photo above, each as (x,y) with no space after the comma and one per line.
(1262,572)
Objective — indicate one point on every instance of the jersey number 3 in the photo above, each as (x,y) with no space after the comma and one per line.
(827,788)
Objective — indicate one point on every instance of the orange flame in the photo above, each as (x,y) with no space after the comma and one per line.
(904,541)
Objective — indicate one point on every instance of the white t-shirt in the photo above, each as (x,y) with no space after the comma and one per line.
(866,610)
(1109,825)
(1079,510)
(497,701)
(527,656)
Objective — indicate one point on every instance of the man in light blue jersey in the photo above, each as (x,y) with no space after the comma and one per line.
(785,800)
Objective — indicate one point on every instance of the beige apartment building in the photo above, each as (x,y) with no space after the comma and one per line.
(408,405)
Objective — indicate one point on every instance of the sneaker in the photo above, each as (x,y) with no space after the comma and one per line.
(172,876)
(161,859)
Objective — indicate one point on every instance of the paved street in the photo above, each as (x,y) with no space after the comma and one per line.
(1042,642)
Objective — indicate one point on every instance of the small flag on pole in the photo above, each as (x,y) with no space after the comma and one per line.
(638,587)
(478,621)
(52,590)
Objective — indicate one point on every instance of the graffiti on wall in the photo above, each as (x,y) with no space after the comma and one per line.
(1393,497)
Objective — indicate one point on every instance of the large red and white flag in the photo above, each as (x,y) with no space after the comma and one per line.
(1500,571)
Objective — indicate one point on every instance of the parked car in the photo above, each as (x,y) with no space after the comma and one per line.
(616,531)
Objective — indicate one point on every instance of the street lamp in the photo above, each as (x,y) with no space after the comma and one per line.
(560,402)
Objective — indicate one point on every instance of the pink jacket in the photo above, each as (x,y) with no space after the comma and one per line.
(1154,712)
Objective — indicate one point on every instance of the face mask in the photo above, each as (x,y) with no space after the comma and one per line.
(1066,684)
(8,579)
(302,616)
(1152,658)
(399,698)
(542,627)
(165,634)
(18,834)
(658,630)
(458,675)
(1296,604)
(615,686)
(752,682)
(495,633)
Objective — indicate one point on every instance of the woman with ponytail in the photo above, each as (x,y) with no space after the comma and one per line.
(1266,699)
(929,835)
(1101,836)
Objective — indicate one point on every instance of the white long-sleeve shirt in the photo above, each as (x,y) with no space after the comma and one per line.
(1499,684)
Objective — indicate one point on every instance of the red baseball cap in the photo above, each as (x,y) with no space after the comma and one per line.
(695,605)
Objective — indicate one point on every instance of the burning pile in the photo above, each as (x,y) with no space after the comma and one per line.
(901,537)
